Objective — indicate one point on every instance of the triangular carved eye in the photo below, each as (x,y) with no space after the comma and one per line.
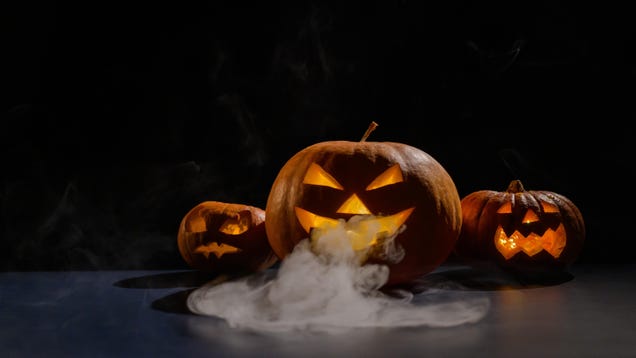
(390,176)
(235,226)
(549,208)
(317,176)
(506,208)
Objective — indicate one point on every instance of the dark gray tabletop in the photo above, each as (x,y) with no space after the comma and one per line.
(592,313)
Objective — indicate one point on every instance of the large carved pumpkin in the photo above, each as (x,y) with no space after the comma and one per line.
(221,237)
(524,231)
(403,190)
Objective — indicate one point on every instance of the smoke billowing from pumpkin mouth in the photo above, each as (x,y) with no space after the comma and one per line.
(362,231)
(324,285)
(357,239)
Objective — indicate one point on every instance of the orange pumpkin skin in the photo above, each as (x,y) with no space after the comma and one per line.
(227,238)
(525,232)
(431,229)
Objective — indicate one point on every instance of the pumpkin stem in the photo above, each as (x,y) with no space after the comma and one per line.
(515,186)
(371,128)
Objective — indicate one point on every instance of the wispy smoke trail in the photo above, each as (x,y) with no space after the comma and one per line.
(322,286)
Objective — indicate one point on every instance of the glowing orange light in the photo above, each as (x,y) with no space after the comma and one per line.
(530,217)
(234,226)
(390,176)
(317,176)
(310,220)
(353,205)
(216,249)
(549,208)
(506,208)
(552,241)
(367,231)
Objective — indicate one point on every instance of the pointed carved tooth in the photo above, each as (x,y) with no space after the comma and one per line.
(531,244)
(552,241)
(371,226)
(309,220)
(504,244)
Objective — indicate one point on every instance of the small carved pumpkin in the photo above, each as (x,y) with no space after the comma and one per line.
(219,237)
(399,188)
(523,231)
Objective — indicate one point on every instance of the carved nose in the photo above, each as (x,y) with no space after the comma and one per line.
(353,205)
(530,217)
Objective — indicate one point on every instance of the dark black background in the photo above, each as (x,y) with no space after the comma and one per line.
(120,117)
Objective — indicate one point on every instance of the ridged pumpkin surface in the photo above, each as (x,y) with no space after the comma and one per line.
(222,237)
(522,230)
(339,179)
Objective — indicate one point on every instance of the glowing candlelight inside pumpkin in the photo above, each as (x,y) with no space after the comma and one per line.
(397,191)
(225,238)
(528,231)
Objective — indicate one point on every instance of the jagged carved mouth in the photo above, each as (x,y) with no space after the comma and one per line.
(552,241)
(382,226)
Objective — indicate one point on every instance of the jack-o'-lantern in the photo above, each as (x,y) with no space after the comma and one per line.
(400,189)
(524,231)
(225,238)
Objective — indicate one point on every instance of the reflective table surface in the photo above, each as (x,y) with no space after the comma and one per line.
(590,313)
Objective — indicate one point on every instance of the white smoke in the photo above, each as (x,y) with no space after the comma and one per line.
(323,286)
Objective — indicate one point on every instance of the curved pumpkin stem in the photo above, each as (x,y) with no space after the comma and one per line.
(515,186)
(371,128)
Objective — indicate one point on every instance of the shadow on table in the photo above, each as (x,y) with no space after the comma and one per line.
(469,278)
(450,278)
(175,302)
(168,280)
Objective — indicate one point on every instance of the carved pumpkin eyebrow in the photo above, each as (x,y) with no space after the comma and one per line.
(317,176)
(390,176)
